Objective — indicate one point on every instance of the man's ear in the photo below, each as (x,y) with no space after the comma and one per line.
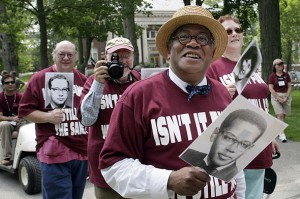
(214,134)
(213,53)
(169,54)
(48,91)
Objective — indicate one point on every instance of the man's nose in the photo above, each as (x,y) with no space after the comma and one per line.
(232,147)
(193,43)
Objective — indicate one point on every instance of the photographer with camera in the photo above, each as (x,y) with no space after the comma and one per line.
(100,94)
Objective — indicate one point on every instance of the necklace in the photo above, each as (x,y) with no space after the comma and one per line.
(11,111)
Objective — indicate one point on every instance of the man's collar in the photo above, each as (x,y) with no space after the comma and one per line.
(181,84)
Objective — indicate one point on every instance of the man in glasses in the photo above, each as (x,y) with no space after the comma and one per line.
(237,134)
(157,118)
(58,90)
(9,120)
(61,139)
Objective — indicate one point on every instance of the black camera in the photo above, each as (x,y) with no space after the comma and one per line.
(115,67)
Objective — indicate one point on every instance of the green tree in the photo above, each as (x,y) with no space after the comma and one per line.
(290,32)
(70,19)
(86,21)
(11,35)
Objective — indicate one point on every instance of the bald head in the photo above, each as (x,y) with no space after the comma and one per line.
(65,56)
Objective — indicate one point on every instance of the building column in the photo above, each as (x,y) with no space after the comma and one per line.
(145,45)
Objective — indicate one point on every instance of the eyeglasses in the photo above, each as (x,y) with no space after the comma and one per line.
(10,82)
(230,139)
(237,30)
(280,64)
(58,90)
(62,55)
(202,38)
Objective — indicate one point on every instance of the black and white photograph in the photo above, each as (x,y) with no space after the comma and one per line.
(247,64)
(236,137)
(58,90)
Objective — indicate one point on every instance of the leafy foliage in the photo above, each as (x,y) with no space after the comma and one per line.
(290,31)
(12,25)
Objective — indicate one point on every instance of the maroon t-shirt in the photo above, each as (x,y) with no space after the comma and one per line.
(154,122)
(256,91)
(97,133)
(70,132)
(280,83)
(9,106)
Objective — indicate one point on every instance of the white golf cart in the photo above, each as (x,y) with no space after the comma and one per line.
(25,163)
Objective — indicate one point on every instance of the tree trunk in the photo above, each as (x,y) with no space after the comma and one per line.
(41,15)
(85,59)
(289,52)
(80,54)
(9,53)
(199,2)
(269,18)
(226,8)
(129,28)
(5,51)
(187,2)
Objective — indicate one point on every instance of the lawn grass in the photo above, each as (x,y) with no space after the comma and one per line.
(292,132)
(25,78)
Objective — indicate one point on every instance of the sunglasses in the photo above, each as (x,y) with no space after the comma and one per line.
(9,82)
(237,30)
(280,64)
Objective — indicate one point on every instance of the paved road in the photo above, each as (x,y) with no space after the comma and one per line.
(10,188)
(287,168)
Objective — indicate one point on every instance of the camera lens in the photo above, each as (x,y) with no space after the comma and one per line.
(115,71)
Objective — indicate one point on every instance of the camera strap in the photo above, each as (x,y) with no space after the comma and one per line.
(129,79)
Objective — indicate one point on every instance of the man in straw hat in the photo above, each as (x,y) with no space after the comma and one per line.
(156,119)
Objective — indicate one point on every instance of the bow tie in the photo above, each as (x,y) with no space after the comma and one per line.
(198,90)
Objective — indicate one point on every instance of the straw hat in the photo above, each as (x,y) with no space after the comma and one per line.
(192,15)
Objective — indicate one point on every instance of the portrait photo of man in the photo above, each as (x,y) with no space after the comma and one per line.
(59,90)
(234,137)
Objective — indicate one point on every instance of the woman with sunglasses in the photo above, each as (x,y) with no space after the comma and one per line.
(280,88)
(256,91)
